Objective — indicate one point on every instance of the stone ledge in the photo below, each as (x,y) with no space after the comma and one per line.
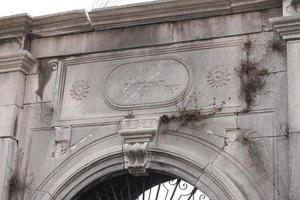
(14,25)
(287,27)
(253,5)
(75,21)
(155,12)
(78,21)
(139,130)
(21,61)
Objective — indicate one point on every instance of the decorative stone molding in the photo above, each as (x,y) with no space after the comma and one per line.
(14,26)
(137,134)
(155,12)
(21,61)
(139,130)
(253,5)
(136,158)
(153,86)
(163,11)
(287,27)
(78,21)
(62,140)
(75,21)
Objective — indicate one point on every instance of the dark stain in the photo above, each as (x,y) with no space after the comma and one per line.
(15,127)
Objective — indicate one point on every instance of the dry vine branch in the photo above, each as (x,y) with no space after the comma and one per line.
(276,44)
(251,75)
(190,113)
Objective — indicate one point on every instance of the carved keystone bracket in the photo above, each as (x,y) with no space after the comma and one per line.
(62,140)
(136,158)
(137,134)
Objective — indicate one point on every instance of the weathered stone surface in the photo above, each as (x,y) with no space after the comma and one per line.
(10,45)
(8,148)
(288,27)
(10,117)
(85,81)
(249,5)
(148,35)
(61,24)
(268,14)
(214,27)
(103,41)
(92,111)
(12,88)
(14,26)
(40,162)
(17,61)
(159,11)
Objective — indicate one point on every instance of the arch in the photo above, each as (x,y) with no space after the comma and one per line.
(209,177)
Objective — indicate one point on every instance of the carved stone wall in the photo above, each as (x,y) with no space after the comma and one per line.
(87,103)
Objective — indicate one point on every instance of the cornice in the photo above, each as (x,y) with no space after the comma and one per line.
(155,12)
(75,21)
(239,6)
(287,27)
(172,10)
(20,61)
(78,21)
(14,25)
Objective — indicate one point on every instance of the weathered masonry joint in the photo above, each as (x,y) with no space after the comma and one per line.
(168,99)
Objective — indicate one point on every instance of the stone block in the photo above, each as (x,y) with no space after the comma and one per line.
(294,165)
(42,115)
(14,26)
(156,12)
(214,27)
(10,45)
(12,88)
(267,14)
(10,117)
(21,61)
(40,163)
(249,5)
(8,149)
(64,23)
(122,38)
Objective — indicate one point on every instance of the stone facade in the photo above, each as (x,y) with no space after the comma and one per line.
(88,95)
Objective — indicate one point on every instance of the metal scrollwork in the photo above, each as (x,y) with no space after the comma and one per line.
(153,187)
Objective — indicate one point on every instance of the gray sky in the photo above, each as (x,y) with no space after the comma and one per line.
(42,7)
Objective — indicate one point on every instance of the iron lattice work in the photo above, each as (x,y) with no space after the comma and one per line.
(152,187)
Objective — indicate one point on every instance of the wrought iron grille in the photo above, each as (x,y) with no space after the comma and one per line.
(153,187)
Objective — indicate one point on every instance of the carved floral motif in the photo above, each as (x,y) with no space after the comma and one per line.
(79,90)
(218,76)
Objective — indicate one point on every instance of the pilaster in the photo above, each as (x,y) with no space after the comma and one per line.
(289,29)
(13,69)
